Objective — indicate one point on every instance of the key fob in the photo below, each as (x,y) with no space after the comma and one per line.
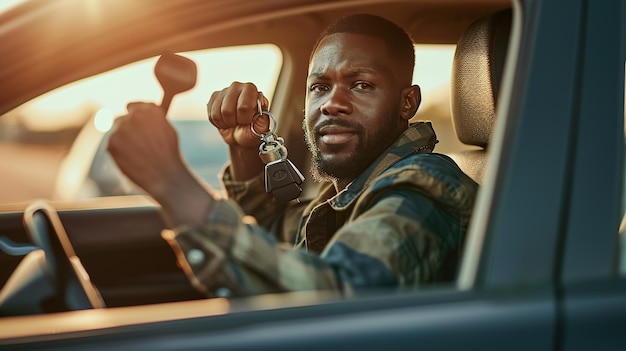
(283,180)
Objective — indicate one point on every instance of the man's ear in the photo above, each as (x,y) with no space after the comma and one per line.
(411,99)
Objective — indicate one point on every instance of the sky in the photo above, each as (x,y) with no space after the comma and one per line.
(7,4)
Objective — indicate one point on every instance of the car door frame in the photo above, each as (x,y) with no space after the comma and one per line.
(591,286)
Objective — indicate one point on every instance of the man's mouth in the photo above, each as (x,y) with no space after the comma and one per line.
(335,135)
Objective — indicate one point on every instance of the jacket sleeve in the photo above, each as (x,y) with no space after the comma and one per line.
(395,240)
(232,255)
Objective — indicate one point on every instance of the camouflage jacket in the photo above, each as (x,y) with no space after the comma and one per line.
(402,223)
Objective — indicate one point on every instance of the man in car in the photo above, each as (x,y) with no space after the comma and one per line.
(393,214)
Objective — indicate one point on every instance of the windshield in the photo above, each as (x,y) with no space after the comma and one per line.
(56,143)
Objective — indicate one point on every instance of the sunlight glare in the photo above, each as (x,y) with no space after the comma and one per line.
(6,5)
(103,120)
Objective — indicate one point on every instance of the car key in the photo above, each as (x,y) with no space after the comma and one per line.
(282,178)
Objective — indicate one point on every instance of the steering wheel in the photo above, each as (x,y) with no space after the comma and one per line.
(72,283)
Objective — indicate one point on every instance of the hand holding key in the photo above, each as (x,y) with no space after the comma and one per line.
(282,178)
(231,110)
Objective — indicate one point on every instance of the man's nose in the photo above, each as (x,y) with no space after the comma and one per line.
(338,102)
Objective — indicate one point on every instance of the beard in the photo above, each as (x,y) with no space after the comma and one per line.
(324,167)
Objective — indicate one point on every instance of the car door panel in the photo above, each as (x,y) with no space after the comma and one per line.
(434,319)
(594,316)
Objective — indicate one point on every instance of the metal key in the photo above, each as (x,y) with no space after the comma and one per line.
(282,178)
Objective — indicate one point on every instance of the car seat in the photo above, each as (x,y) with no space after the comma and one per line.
(476,75)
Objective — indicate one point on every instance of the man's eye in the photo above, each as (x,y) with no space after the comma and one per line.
(362,86)
(318,88)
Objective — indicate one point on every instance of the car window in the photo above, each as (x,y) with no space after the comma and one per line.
(433,66)
(56,162)
(200,144)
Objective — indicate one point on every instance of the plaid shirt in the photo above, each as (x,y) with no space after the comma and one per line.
(401,223)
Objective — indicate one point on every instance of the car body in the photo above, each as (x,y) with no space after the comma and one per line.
(541,265)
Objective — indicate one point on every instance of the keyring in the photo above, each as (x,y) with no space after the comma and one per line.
(273,123)
(261,113)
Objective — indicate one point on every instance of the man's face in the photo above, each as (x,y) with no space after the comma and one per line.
(352,105)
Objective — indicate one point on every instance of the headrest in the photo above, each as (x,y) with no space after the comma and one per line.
(476,75)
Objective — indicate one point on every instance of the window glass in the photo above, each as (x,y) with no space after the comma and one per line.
(433,66)
(59,137)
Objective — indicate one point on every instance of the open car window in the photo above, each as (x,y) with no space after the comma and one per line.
(433,67)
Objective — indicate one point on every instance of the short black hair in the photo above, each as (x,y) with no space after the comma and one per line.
(398,41)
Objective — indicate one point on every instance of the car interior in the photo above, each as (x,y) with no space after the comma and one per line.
(123,252)
(476,75)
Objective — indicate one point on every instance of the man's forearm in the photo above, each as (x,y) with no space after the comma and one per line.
(245,163)
(185,200)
